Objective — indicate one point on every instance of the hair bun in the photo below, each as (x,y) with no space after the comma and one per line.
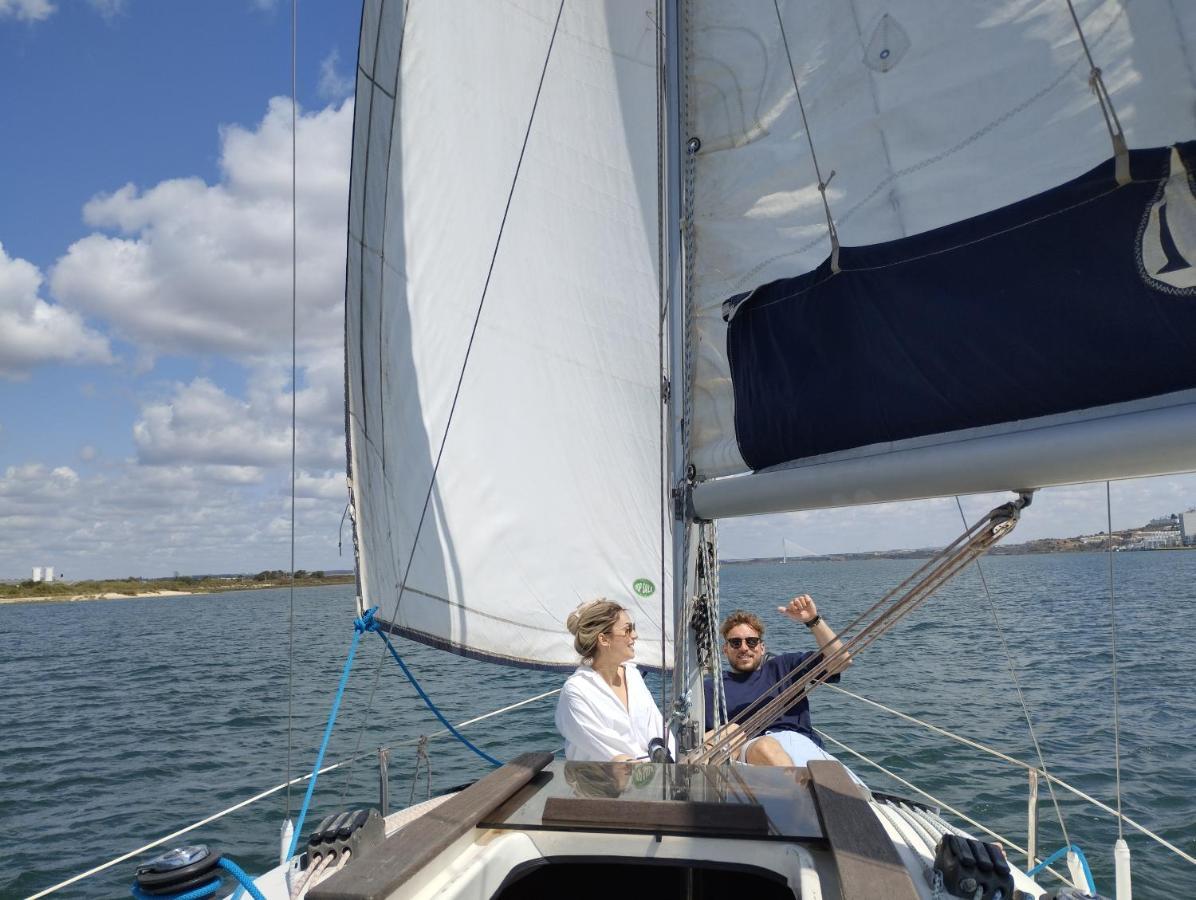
(574,620)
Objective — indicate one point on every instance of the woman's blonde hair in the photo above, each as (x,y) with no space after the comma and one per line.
(590,620)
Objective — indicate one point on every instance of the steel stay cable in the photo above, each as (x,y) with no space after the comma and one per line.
(942,567)
(1017,685)
(1113,641)
(402,586)
(294,392)
(822,185)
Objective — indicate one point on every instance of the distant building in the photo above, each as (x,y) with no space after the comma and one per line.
(37,573)
(1188,526)
(49,573)
(1157,540)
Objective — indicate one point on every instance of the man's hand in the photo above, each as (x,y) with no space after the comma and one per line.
(800,609)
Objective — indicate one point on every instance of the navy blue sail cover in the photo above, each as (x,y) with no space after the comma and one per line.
(1078,297)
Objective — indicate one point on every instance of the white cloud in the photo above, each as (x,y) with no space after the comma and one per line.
(110,9)
(27,10)
(34,332)
(202,424)
(329,486)
(334,85)
(88,453)
(188,267)
(154,520)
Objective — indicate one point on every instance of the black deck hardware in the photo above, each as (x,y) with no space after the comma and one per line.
(179,870)
(652,816)
(410,849)
(868,865)
(355,831)
(967,864)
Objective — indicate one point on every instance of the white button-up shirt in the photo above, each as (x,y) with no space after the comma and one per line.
(595,724)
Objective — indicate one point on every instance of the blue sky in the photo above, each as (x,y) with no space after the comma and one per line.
(145,302)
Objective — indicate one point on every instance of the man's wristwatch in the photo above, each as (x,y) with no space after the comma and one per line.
(814,621)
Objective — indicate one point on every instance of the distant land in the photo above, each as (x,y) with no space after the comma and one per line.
(61,590)
(1160,534)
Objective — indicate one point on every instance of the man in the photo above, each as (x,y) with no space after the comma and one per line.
(789,740)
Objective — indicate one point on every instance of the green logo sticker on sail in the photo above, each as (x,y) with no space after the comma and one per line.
(643,587)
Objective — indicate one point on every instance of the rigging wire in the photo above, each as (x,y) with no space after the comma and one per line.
(402,586)
(294,306)
(1096,81)
(822,185)
(1113,641)
(665,392)
(890,609)
(1021,698)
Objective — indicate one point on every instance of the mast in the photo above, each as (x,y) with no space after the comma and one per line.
(687,676)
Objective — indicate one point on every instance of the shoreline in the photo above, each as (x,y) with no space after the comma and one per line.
(93,596)
(108,595)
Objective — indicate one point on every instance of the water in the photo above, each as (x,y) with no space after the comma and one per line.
(122,721)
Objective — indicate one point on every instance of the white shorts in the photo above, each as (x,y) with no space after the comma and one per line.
(799,748)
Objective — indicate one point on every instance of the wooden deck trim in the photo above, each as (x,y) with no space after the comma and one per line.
(650,816)
(868,864)
(384,869)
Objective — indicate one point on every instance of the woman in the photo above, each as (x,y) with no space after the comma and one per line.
(605,711)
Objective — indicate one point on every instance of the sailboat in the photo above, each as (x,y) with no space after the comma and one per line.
(620,269)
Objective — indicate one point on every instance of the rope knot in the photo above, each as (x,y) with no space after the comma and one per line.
(366,621)
(1094,79)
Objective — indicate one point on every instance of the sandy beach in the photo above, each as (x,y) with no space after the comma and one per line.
(74,598)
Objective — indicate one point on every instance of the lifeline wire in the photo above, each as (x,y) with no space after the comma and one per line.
(822,185)
(294,291)
(1113,640)
(465,362)
(1018,687)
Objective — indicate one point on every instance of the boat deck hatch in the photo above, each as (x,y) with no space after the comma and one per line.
(754,802)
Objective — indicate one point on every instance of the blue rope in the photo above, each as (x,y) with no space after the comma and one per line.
(242,876)
(1058,855)
(211,887)
(360,627)
(432,706)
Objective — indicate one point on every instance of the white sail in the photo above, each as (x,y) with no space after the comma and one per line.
(927,113)
(549,491)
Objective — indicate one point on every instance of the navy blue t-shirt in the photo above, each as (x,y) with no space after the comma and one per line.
(742,688)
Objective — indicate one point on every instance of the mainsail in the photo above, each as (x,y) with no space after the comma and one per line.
(1005,316)
(548,492)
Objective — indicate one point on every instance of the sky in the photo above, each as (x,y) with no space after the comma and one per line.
(145,304)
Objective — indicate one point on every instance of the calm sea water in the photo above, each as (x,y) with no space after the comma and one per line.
(122,721)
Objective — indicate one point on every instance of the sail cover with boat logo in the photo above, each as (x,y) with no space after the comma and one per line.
(1073,299)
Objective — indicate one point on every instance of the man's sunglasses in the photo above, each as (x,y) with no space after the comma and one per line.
(736,643)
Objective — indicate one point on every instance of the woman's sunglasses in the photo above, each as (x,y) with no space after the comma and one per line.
(736,643)
(627,631)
